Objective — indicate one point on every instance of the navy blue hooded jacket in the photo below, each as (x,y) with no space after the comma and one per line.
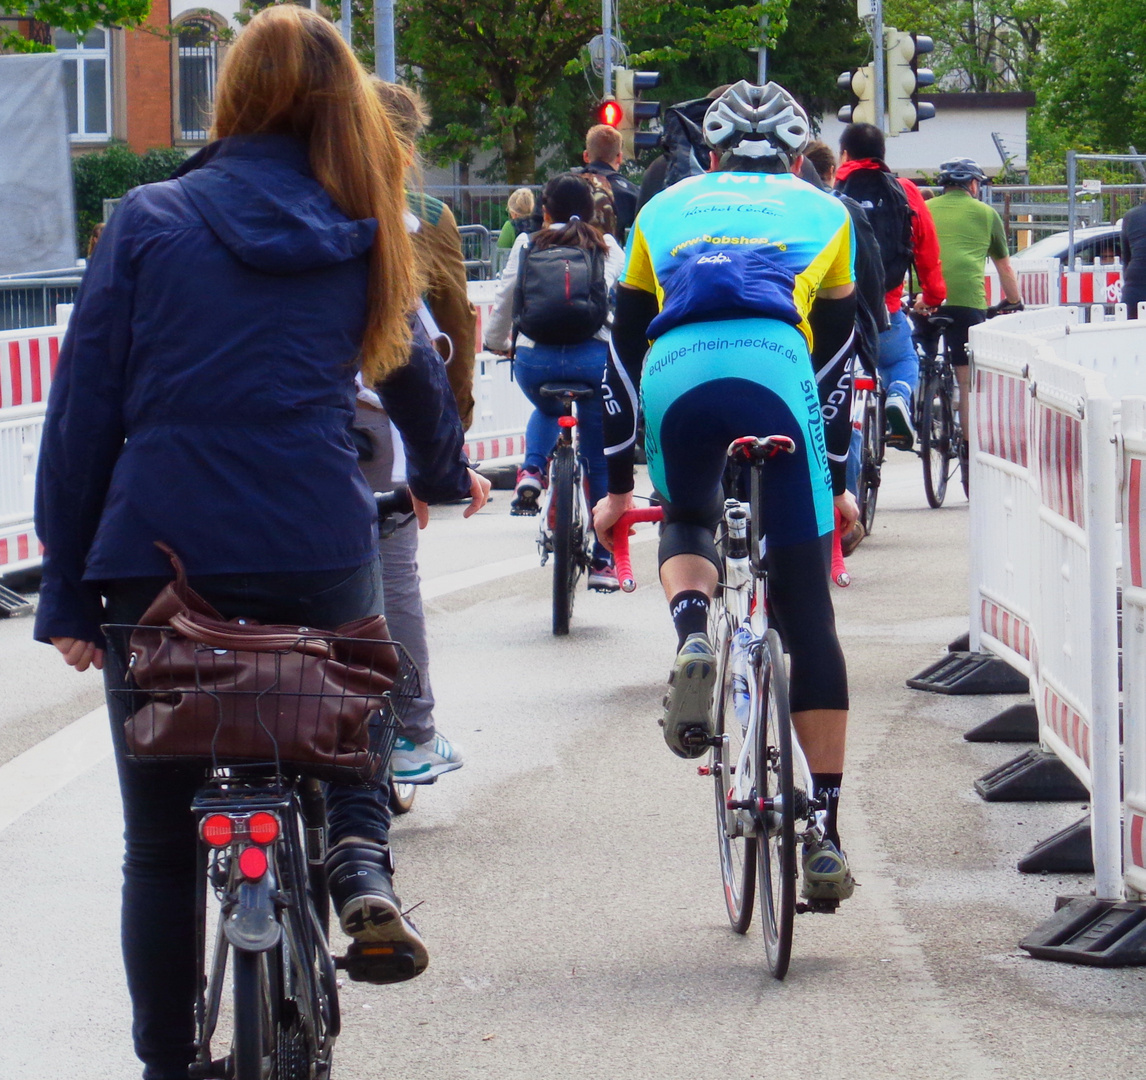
(205,389)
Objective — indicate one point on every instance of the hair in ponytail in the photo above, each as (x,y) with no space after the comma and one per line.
(568,199)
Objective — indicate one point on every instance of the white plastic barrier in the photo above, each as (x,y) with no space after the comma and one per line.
(502,410)
(1075,668)
(27,362)
(1038,282)
(1044,528)
(1134,639)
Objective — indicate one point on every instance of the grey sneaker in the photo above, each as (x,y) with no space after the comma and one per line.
(423,763)
(826,873)
(688,704)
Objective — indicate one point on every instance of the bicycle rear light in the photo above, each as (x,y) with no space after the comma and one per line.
(217,830)
(253,863)
(567,421)
(863,382)
(263,828)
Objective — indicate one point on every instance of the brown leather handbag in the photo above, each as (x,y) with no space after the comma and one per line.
(238,692)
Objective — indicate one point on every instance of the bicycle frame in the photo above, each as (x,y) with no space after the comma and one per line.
(273,915)
(745,599)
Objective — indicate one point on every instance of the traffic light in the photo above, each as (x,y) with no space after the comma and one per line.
(630,86)
(610,112)
(860,87)
(904,79)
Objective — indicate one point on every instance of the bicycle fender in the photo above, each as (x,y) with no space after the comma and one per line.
(251,924)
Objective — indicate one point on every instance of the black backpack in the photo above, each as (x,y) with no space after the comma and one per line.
(890,215)
(560,297)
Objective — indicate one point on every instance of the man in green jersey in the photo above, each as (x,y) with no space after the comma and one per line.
(969,233)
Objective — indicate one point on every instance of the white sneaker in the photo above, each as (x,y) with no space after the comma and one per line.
(422,763)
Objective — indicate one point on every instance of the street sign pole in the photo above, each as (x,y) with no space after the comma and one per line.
(870,13)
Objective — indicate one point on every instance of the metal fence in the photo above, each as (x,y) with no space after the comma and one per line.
(1046,208)
(30,300)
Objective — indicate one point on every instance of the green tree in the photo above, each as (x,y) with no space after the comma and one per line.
(77,16)
(494,71)
(111,174)
(980,45)
(813,42)
(1091,85)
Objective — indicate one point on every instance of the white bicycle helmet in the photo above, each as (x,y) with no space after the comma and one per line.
(757,122)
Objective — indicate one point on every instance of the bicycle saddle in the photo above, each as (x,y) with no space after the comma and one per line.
(754,448)
(939,322)
(574,391)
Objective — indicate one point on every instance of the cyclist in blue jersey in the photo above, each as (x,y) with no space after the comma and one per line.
(731,276)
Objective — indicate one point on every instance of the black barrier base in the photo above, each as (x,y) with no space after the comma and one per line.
(970,673)
(12,603)
(1101,933)
(961,644)
(1035,776)
(1016,723)
(1067,852)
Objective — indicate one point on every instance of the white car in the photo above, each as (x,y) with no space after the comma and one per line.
(1102,242)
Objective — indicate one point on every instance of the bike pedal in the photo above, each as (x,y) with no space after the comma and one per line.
(378,963)
(817,907)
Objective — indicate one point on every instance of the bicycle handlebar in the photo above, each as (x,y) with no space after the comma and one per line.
(392,504)
(840,573)
(620,535)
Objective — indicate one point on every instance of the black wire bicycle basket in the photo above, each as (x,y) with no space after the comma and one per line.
(320,706)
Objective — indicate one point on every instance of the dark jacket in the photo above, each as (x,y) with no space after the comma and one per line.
(1134,254)
(624,193)
(205,389)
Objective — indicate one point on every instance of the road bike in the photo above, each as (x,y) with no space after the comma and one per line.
(868,419)
(262,846)
(937,414)
(566,532)
(762,783)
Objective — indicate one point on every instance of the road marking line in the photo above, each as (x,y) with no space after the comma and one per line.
(27,780)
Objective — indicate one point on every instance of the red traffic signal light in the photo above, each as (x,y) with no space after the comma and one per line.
(610,112)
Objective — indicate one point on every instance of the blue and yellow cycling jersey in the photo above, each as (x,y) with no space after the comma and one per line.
(763,241)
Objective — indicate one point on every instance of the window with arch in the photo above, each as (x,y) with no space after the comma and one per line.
(87,80)
(197,61)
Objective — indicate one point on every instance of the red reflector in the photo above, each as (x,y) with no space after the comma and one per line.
(864,382)
(217,830)
(263,828)
(253,863)
(567,421)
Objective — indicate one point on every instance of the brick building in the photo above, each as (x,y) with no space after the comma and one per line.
(148,87)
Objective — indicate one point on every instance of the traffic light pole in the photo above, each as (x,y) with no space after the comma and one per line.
(607,47)
(762,54)
(384,64)
(878,66)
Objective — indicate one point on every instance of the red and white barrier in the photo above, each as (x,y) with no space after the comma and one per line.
(502,410)
(1038,282)
(27,363)
(1044,528)
(1134,639)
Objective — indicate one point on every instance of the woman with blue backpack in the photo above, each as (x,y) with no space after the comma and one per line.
(552,315)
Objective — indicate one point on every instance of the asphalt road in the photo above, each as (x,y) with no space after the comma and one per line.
(568,878)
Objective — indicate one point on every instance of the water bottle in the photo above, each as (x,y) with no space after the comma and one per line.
(741,696)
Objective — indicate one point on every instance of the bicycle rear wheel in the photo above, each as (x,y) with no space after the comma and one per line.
(936,442)
(737,852)
(252,1047)
(871,459)
(776,830)
(566,567)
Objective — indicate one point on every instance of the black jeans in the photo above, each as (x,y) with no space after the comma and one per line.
(160,842)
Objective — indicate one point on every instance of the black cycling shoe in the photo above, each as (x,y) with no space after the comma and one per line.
(359,874)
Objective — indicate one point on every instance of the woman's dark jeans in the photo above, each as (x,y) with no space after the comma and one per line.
(161,846)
